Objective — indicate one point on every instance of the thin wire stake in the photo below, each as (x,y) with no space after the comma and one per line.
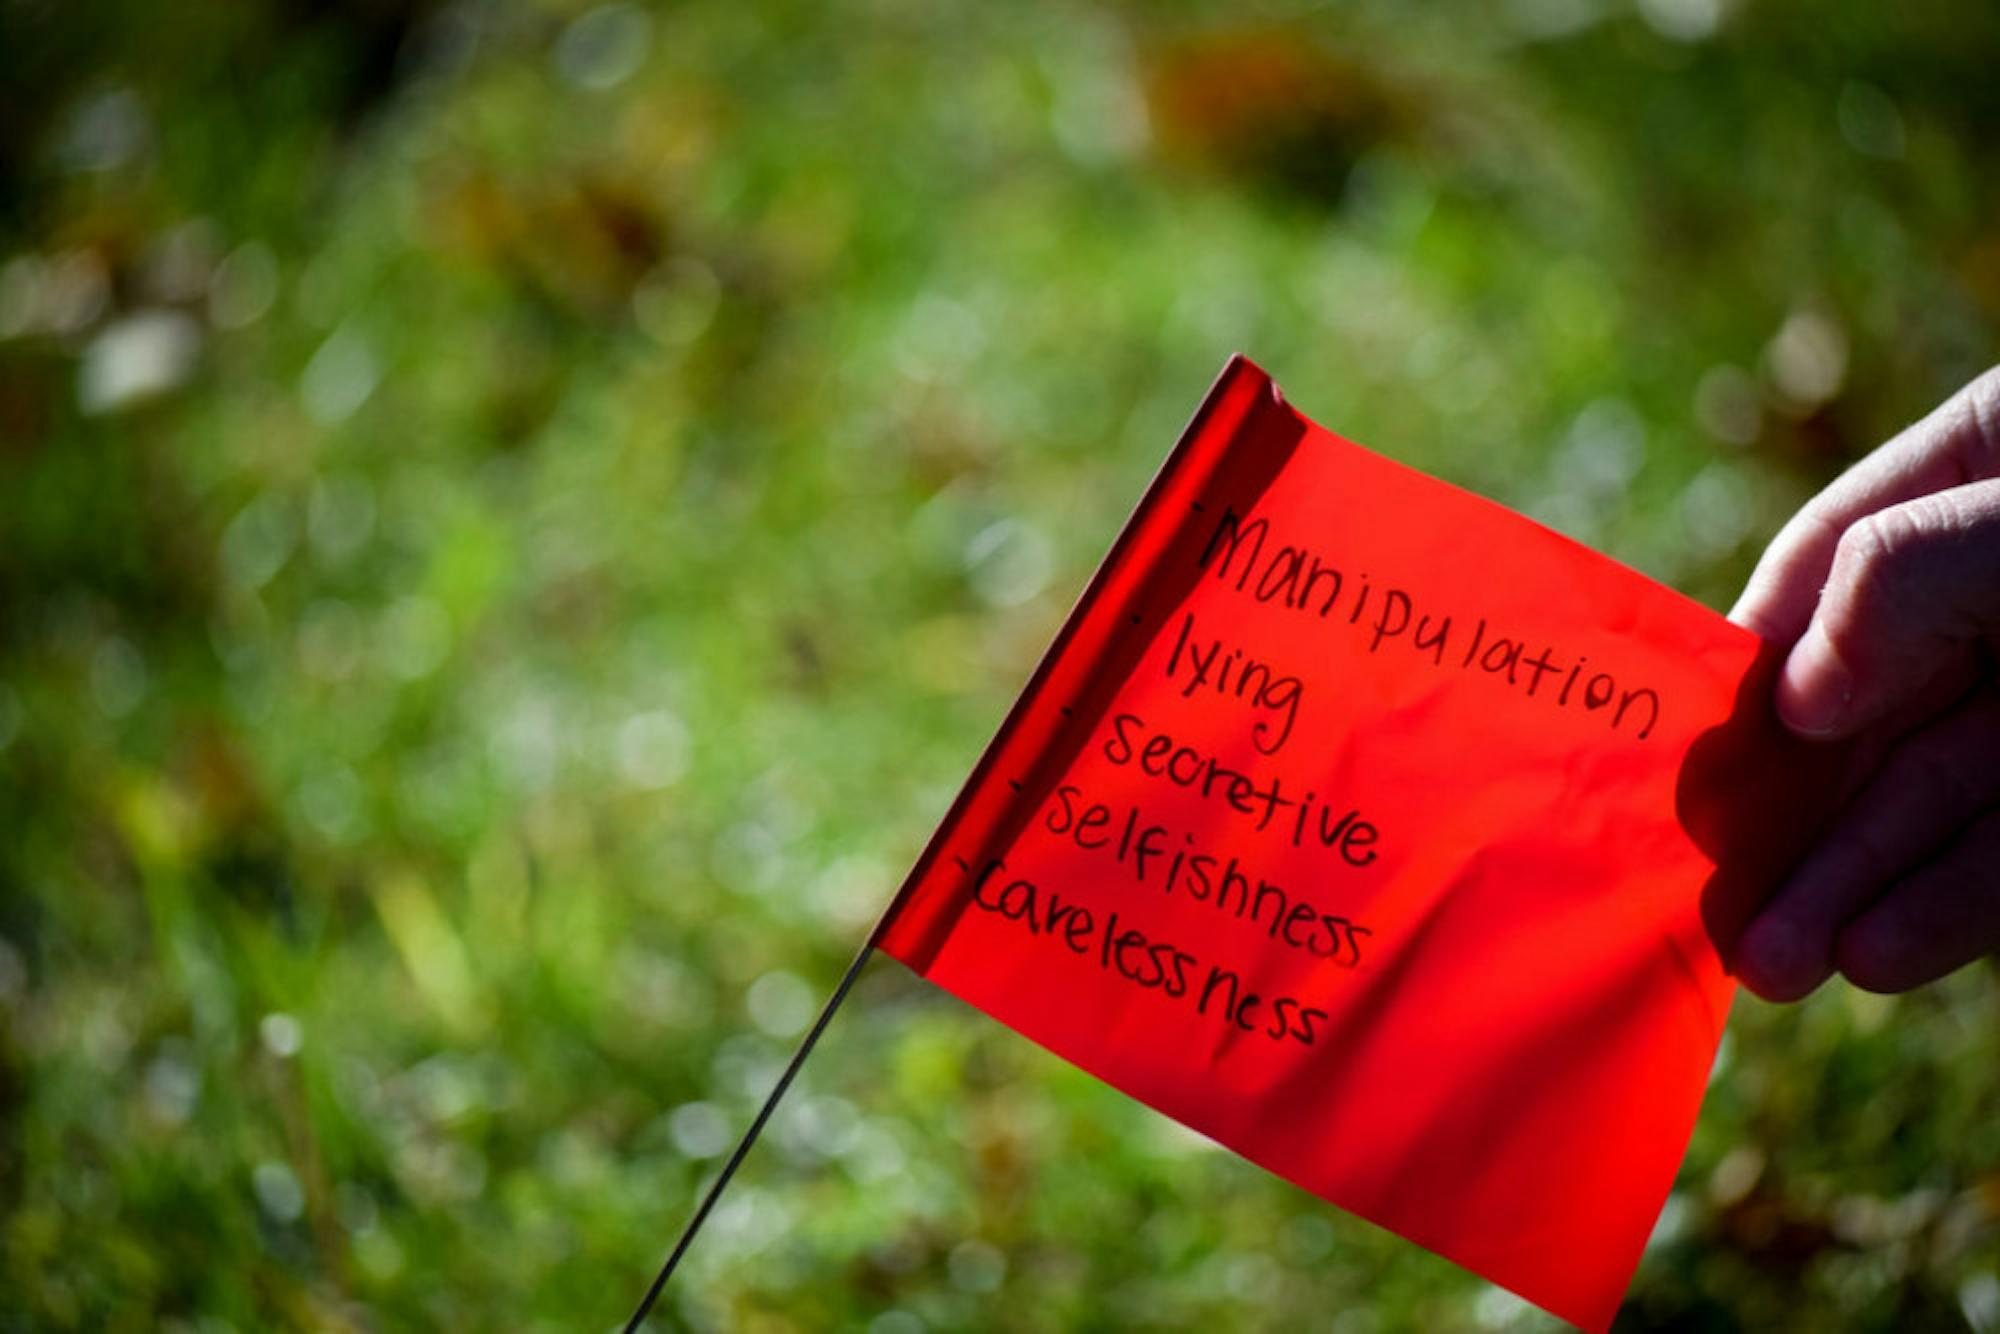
(750,1135)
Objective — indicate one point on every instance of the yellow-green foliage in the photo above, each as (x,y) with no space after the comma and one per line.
(515,518)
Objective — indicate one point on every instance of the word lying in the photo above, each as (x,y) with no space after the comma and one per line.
(1213,665)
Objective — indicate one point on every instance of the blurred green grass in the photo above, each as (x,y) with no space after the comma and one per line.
(514,519)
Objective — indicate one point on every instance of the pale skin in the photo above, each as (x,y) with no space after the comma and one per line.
(1886,588)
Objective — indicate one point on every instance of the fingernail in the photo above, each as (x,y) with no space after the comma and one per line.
(1816,688)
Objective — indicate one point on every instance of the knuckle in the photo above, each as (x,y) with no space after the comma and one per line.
(1871,563)
(1886,536)
(1981,422)
(1883,557)
(1927,519)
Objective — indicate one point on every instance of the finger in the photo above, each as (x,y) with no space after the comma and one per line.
(1914,590)
(1944,916)
(1933,785)
(1957,443)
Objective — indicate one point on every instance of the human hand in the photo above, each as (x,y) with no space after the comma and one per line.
(1886,588)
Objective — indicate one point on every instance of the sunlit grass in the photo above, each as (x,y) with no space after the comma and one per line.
(514,523)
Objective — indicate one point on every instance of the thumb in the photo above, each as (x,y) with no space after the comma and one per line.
(1914,589)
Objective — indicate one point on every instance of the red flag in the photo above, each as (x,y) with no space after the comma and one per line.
(1346,822)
